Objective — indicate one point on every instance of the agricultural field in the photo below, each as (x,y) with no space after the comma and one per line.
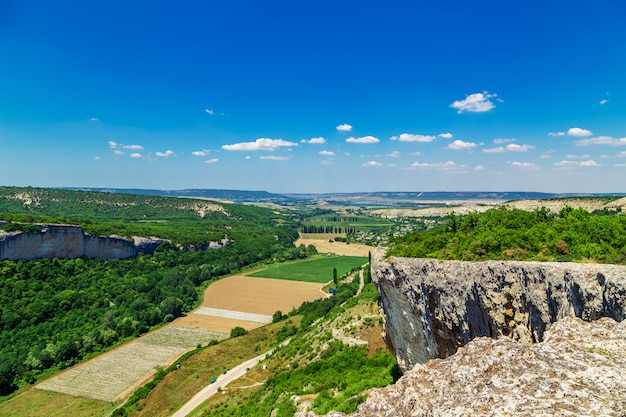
(261,296)
(315,270)
(326,244)
(112,375)
(53,404)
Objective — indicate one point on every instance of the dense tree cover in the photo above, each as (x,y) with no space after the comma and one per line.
(55,311)
(571,235)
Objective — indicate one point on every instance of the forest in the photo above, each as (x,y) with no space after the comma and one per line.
(511,234)
(54,312)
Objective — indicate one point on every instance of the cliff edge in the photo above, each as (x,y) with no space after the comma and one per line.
(501,338)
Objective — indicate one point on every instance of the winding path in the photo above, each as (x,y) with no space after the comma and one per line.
(223,380)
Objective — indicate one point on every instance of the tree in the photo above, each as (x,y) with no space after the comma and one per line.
(278,316)
(7,375)
(335,275)
(237,331)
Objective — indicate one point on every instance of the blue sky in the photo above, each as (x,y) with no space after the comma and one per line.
(321,96)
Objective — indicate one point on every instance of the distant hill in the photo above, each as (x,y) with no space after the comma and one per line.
(389,198)
(237,196)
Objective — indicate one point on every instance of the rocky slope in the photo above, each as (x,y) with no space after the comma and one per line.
(434,307)
(578,370)
(555,341)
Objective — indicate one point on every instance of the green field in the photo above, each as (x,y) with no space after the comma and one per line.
(316,270)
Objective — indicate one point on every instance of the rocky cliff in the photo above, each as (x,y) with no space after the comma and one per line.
(63,241)
(555,341)
(434,307)
(578,370)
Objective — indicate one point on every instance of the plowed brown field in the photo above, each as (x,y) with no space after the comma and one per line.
(338,248)
(250,295)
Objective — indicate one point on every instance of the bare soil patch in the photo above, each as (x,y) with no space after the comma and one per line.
(212,323)
(338,248)
(260,295)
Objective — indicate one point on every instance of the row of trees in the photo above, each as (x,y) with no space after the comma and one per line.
(327,229)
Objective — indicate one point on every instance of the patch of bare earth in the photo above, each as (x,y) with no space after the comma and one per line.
(323,245)
(240,294)
(555,205)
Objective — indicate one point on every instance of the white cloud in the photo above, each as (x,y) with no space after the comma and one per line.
(619,165)
(118,152)
(328,162)
(364,139)
(94,119)
(513,147)
(135,155)
(97,158)
(211,161)
(314,141)
(524,165)
(474,103)
(393,154)
(203,152)
(458,145)
(132,147)
(112,144)
(601,140)
(499,149)
(415,153)
(261,144)
(344,128)
(327,153)
(409,137)
(210,111)
(275,158)
(503,140)
(577,131)
(372,164)
(165,154)
(603,102)
(479,168)
(622,154)
(556,134)
(441,165)
(445,135)
(586,156)
(589,163)
(568,164)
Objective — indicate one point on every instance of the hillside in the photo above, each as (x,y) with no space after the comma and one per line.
(54,312)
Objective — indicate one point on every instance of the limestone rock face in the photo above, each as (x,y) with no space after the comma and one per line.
(434,307)
(578,370)
(63,241)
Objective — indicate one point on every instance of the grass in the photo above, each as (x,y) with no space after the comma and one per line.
(317,270)
(180,385)
(51,404)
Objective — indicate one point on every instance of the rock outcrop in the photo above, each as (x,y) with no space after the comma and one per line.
(501,339)
(67,241)
(578,370)
(434,307)
(63,241)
